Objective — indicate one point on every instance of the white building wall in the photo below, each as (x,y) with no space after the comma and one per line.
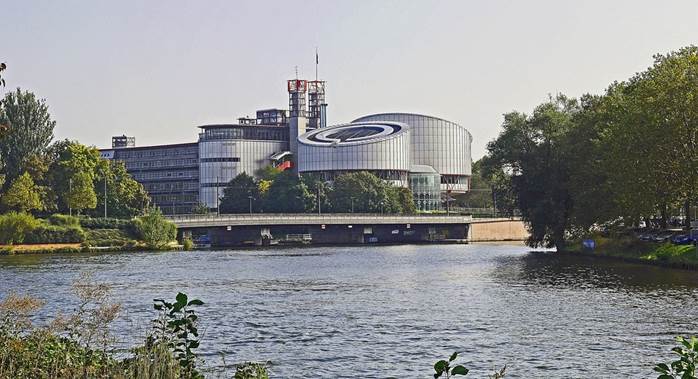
(392,153)
(230,158)
(441,144)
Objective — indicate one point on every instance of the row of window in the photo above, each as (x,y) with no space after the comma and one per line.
(157,152)
(229,159)
(248,133)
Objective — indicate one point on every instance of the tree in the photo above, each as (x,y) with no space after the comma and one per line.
(81,192)
(153,229)
(531,151)
(30,130)
(362,191)
(126,197)
(72,175)
(288,194)
(236,196)
(23,195)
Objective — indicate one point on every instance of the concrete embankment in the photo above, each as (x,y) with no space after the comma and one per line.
(490,230)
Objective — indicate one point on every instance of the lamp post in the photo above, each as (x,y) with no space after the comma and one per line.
(352,205)
(319,206)
(250,198)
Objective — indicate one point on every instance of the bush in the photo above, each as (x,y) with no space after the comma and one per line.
(15,226)
(154,229)
(187,244)
(55,234)
(105,223)
(63,220)
(107,237)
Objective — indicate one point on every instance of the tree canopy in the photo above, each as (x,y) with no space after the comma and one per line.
(627,155)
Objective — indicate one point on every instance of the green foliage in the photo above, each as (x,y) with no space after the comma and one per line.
(200,209)
(106,223)
(177,327)
(126,198)
(23,195)
(685,366)
(154,229)
(107,238)
(55,234)
(63,220)
(81,194)
(251,370)
(15,226)
(187,244)
(444,367)
(236,195)
(288,194)
(30,131)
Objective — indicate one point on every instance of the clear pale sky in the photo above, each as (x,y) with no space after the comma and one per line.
(157,69)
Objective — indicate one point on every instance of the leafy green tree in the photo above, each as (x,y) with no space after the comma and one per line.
(72,175)
(126,197)
(154,229)
(23,195)
(236,196)
(531,151)
(30,131)
(364,192)
(15,226)
(288,194)
(81,192)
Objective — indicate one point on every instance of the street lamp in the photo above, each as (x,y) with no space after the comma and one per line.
(250,198)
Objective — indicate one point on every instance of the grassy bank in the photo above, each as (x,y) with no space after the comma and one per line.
(629,248)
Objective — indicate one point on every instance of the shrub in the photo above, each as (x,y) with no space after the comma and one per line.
(251,370)
(154,229)
(63,220)
(104,223)
(55,234)
(15,226)
(187,244)
(107,237)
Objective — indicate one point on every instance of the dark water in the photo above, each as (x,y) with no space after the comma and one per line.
(392,311)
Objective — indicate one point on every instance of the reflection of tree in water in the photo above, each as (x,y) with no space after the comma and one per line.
(569,271)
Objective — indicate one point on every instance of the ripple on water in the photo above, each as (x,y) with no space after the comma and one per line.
(391,311)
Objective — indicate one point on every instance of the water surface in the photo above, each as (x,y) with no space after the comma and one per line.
(392,311)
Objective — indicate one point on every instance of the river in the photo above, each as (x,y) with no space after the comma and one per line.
(392,311)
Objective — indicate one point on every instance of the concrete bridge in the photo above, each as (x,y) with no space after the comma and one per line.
(334,228)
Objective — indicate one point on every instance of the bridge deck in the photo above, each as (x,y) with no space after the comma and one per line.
(268,219)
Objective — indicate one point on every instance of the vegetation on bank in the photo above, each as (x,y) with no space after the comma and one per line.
(630,248)
(626,156)
(70,234)
(80,344)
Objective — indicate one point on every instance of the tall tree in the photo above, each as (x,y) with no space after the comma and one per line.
(125,197)
(81,193)
(23,195)
(236,196)
(531,150)
(288,194)
(30,130)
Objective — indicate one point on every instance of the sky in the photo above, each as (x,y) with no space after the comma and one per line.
(157,69)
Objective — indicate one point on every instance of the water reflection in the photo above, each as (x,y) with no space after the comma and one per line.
(382,311)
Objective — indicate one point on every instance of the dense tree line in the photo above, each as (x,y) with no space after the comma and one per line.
(285,192)
(626,156)
(41,176)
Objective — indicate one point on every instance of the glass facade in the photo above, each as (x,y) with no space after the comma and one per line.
(426,190)
(228,150)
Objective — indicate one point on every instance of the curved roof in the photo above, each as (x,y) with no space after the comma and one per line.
(355,133)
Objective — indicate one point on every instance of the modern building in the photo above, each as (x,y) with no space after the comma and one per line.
(382,148)
(438,143)
(227,150)
(169,173)
(429,155)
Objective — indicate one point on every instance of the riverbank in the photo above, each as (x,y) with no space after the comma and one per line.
(630,249)
(74,248)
